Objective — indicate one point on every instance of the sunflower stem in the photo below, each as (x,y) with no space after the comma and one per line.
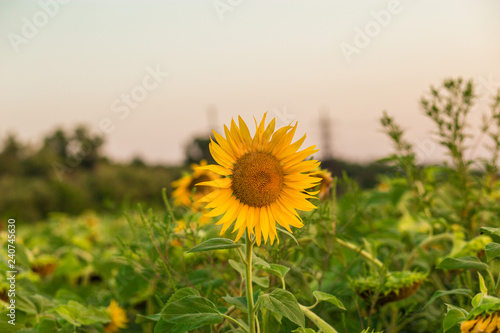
(320,323)
(248,281)
(363,253)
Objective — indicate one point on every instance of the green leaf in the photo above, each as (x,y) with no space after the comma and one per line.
(42,303)
(215,244)
(6,327)
(493,232)
(321,296)
(284,303)
(163,327)
(304,330)
(181,293)
(259,262)
(64,295)
(140,319)
(70,313)
(289,234)
(192,310)
(462,263)
(440,293)
(482,285)
(454,315)
(262,281)
(492,251)
(238,267)
(21,256)
(275,269)
(77,314)
(271,321)
(47,326)
(24,303)
(477,299)
(239,302)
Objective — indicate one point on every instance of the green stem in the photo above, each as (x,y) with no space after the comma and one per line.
(363,253)
(320,323)
(248,281)
(234,321)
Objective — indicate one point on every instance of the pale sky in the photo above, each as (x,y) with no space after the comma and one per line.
(69,62)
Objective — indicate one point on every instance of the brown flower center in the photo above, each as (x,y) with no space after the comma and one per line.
(257,179)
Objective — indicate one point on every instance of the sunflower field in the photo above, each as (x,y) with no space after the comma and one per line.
(266,240)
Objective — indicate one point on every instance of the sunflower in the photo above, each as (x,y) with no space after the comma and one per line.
(326,184)
(185,185)
(118,318)
(44,265)
(264,179)
(483,323)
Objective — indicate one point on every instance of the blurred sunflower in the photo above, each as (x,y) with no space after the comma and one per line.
(181,226)
(118,318)
(484,323)
(264,179)
(44,265)
(184,186)
(326,182)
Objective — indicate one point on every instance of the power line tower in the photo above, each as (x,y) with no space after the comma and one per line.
(326,133)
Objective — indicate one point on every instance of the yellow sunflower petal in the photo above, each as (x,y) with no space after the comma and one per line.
(216,169)
(245,133)
(221,198)
(222,208)
(229,217)
(242,217)
(219,183)
(225,146)
(264,223)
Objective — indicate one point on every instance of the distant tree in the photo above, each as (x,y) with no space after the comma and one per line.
(11,156)
(84,147)
(137,161)
(198,150)
(58,142)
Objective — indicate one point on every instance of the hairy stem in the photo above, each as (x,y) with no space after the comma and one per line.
(248,281)
(320,323)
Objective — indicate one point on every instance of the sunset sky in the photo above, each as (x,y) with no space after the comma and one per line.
(146,72)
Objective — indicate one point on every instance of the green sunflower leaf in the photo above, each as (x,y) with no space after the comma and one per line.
(321,296)
(492,251)
(440,293)
(215,244)
(493,232)
(462,263)
(284,303)
(454,315)
(239,302)
(181,293)
(192,310)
